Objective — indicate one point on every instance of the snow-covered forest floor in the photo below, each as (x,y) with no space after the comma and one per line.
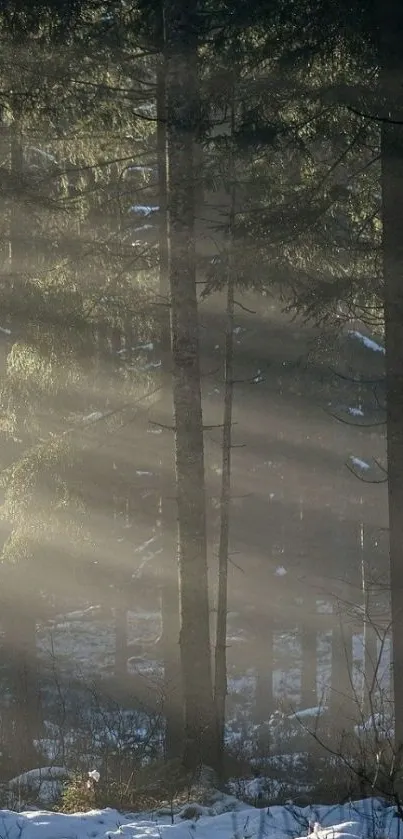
(366,819)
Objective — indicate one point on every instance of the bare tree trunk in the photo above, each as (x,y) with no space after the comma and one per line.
(121,646)
(120,508)
(370,653)
(21,634)
(16,223)
(20,644)
(391,107)
(181,26)
(169,588)
(27,690)
(220,682)
(264,698)
(342,705)
(308,649)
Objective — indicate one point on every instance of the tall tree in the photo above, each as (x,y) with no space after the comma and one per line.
(220,681)
(173,711)
(391,113)
(181,40)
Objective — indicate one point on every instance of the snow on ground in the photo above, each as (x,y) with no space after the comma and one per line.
(368,819)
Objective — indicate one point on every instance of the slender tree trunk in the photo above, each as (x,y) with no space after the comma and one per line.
(27,689)
(181,25)
(264,698)
(16,222)
(391,59)
(220,682)
(21,642)
(120,507)
(121,646)
(169,588)
(342,704)
(308,649)
(370,653)
(22,632)
(163,189)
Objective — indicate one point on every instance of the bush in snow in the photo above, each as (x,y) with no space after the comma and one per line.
(37,786)
(79,794)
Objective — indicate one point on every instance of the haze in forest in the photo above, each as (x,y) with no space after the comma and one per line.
(201,390)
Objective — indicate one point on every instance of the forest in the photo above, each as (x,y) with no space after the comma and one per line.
(201,418)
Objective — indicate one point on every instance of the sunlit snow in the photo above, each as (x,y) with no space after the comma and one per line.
(366,819)
(143,209)
(368,342)
(361,464)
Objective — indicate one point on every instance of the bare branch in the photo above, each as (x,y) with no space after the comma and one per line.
(161,425)
(365,480)
(244,308)
(352,423)
(359,381)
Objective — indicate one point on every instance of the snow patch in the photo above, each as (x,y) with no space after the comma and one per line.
(356,412)
(361,464)
(307,713)
(143,209)
(368,342)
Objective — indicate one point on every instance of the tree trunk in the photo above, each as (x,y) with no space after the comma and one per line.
(342,704)
(391,20)
(308,649)
(169,588)
(220,682)
(21,641)
(21,635)
(121,647)
(370,653)
(264,699)
(182,100)
(16,222)
(173,704)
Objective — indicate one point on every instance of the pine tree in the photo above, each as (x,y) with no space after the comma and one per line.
(181,30)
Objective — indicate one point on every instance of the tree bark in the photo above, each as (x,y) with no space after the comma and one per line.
(16,222)
(391,108)
(181,26)
(169,588)
(220,682)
